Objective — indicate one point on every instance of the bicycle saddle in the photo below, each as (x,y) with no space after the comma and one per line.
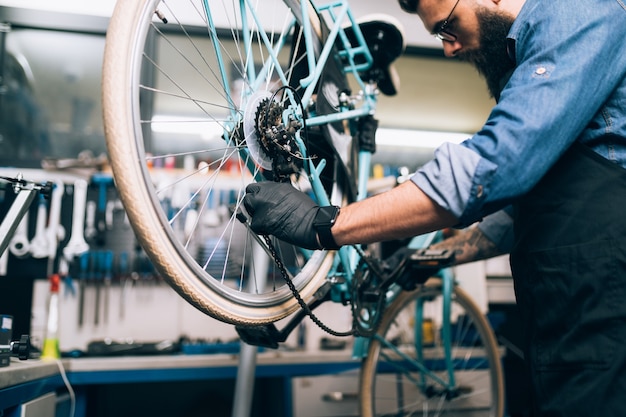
(385,38)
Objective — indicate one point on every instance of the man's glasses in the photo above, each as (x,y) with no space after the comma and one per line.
(442,33)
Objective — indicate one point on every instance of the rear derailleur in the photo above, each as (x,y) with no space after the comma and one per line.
(278,139)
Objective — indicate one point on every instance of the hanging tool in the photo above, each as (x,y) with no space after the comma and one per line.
(25,193)
(55,231)
(179,202)
(191,220)
(90,220)
(19,245)
(39,243)
(113,206)
(82,277)
(4,260)
(125,281)
(102,182)
(64,273)
(95,268)
(77,244)
(107,268)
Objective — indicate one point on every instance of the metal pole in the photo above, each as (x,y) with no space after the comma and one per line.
(244,385)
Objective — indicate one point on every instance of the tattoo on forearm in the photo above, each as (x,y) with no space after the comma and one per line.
(469,245)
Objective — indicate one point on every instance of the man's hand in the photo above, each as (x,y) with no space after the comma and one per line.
(279,209)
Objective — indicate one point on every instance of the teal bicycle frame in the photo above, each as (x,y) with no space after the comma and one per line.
(337,13)
(357,58)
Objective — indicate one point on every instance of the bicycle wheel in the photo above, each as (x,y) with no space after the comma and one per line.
(391,383)
(185,110)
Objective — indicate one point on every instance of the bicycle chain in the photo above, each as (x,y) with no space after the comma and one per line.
(277,140)
(297,296)
(362,326)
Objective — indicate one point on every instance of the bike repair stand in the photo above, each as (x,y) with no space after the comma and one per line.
(244,384)
(25,193)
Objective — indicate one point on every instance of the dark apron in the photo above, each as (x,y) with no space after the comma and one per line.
(569,268)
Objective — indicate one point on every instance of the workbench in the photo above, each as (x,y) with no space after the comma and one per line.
(104,380)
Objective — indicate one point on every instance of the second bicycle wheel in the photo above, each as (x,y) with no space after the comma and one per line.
(193,91)
(400,379)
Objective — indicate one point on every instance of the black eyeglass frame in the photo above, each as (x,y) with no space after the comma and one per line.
(442,34)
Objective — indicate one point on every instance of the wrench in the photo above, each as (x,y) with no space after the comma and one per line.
(4,259)
(124,281)
(90,220)
(107,260)
(82,277)
(54,232)
(95,265)
(39,244)
(19,244)
(77,244)
(102,182)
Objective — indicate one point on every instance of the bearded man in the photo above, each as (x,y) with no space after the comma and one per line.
(553,148)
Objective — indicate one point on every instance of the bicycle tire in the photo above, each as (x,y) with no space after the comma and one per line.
(214,273)
(385,385)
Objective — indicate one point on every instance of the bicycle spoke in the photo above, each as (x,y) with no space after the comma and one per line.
(402,377)
(184,91)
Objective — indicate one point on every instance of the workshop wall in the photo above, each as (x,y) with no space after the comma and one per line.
(136,306)
(150,312)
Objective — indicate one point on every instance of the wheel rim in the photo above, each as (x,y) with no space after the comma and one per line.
(391,389)
(178,212)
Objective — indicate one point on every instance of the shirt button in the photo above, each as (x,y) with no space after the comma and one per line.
(540,70)
(479,191)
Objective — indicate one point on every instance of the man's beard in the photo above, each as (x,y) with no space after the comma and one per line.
(491,58)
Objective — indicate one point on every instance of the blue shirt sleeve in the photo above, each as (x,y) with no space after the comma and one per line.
(570,71)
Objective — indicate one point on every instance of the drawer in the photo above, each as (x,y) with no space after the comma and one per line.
(326,395)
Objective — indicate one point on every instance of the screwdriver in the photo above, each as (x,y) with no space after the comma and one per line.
(124,281)
(95,267)
(82,276)
(107,266)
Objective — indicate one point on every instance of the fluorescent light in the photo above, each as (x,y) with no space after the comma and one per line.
(406,138)
(203,127)
(417,138)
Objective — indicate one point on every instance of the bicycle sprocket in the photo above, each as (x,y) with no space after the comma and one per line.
(367,298)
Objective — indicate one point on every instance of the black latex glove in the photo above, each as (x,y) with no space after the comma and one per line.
(279,209)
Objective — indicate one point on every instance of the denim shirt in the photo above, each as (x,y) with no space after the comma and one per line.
(569,84)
